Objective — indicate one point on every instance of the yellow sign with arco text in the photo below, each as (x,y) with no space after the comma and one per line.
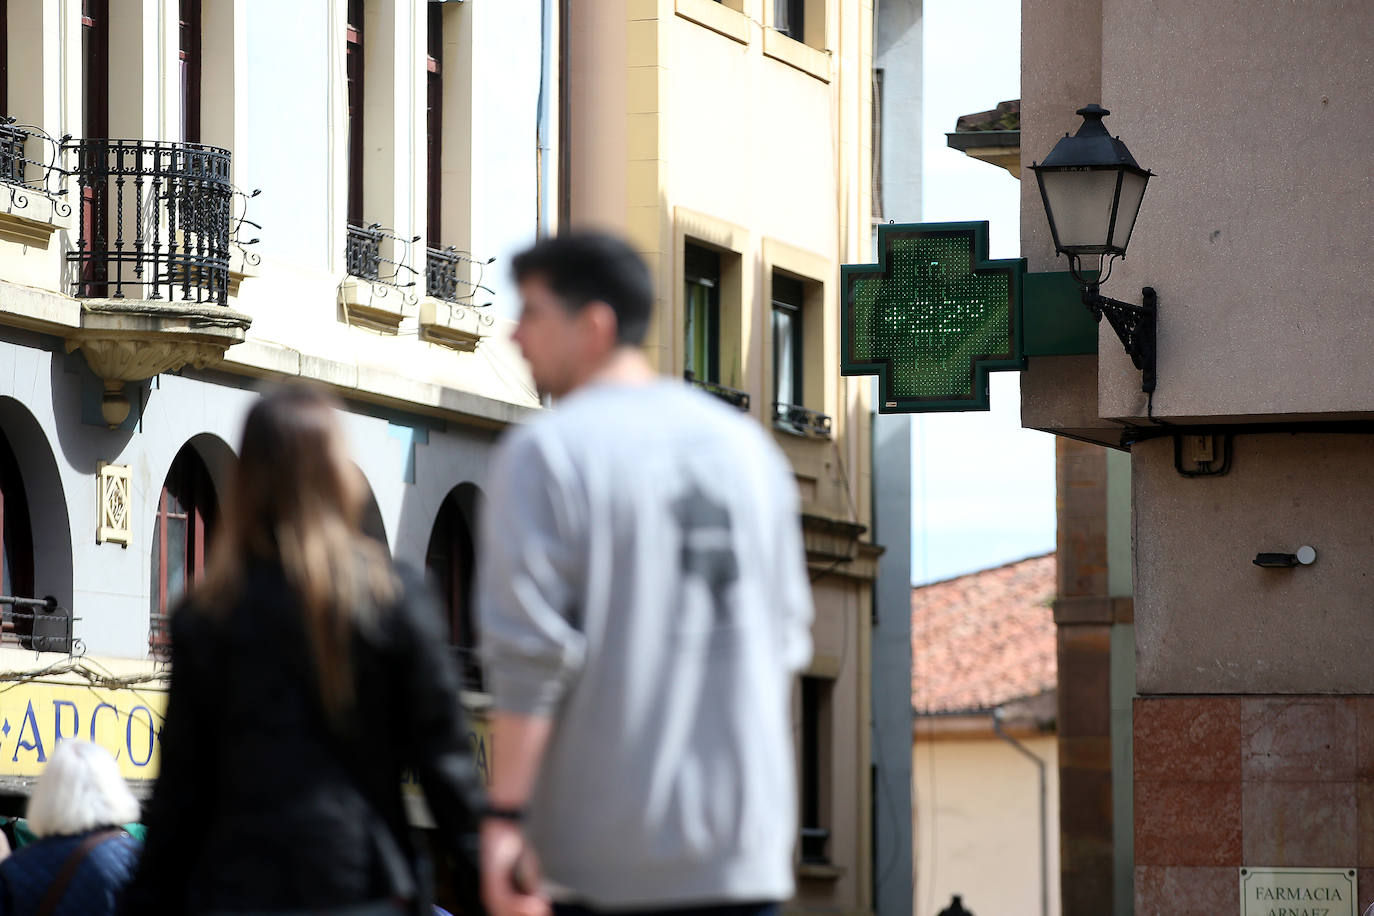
(34,717)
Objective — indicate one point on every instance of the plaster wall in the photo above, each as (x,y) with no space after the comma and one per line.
(841,654)
(274,93)
(1207,619)
(1249,112)
(897,41)
(976,823)
(49,412)
(891,663)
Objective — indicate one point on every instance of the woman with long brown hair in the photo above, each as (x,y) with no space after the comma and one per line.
(308,675)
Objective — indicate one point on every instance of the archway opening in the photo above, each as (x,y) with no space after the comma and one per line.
(183,528)
(16,546)
(451,559)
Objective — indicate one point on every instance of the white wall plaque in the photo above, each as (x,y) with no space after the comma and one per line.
(1298,892)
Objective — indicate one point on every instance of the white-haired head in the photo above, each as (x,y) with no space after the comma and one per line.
(80,790)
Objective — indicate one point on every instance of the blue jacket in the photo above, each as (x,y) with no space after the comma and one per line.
(93,890)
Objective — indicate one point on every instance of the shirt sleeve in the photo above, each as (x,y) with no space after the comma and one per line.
(530,577)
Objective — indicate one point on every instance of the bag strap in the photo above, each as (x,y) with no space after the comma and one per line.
(64,877)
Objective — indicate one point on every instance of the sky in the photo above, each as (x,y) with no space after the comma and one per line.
(982,487)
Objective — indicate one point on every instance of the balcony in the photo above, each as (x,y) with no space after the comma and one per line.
(732,396)
(151,262)
(448,315)
(30,170)
(376,292)
(793,418)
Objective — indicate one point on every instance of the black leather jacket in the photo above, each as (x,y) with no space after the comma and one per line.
(261,804)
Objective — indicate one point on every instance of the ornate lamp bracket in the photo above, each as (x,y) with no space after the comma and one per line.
(1134,326)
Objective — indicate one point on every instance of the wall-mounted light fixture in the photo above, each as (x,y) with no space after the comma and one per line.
(1305,556)
(1092,187)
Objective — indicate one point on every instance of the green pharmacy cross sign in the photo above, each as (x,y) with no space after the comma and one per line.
(932,318)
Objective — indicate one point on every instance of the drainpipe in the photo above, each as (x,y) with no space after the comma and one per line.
(545,217)
(1044,802)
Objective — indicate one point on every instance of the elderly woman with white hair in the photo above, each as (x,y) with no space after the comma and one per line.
(82,859)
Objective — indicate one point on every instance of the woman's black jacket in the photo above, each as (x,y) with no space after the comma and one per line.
(261,803)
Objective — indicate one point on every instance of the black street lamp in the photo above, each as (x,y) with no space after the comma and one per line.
(1092,187)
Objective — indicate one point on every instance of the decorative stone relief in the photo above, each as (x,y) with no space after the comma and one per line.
(131,340)
(112,498)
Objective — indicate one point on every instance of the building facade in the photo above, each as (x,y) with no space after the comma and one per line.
(730,141)
(1250,688)
(200,198)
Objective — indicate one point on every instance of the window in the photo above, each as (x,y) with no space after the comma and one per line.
(434,123)
(16,540)
(788,352)
(789,17)
(5,56)
(353,72)
(185,518)
(95,123)
(701,351)
(451,561)
(189,59)
(814,772)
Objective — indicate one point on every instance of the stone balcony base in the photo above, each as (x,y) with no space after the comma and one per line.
(129,340)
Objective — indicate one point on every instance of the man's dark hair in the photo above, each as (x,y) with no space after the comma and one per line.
(585,267)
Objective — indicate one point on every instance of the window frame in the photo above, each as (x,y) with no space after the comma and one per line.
(190,60)
(701,275)
(815,703)
(434,124)
(16,538)
(354,98)
(796,314)
(188,483)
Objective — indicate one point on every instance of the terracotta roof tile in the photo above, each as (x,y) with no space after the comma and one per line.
(983,639)
(1006,116)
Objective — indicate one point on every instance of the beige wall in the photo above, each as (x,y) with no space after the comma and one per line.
(1251,112)
(1303,630)
(976,825)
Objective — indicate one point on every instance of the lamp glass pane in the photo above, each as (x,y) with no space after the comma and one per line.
(1132,190)
(1081,206)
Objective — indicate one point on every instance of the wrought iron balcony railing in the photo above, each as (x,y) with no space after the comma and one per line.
(445,278)
(154,221)
(30,161)
(368,256)
(35,623)
(732,396)
(800,420)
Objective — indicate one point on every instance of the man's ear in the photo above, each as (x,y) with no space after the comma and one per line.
(601,322)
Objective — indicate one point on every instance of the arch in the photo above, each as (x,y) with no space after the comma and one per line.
(183,531)
(49,525)
(451,559)
(372,524)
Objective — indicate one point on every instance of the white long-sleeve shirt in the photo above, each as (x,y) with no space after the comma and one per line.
(643,583)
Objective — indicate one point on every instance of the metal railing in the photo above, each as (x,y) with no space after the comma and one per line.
(732,396)
(444,275)
(30,160)
(35,623)
(368,256)
(801,420)
(154,221)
